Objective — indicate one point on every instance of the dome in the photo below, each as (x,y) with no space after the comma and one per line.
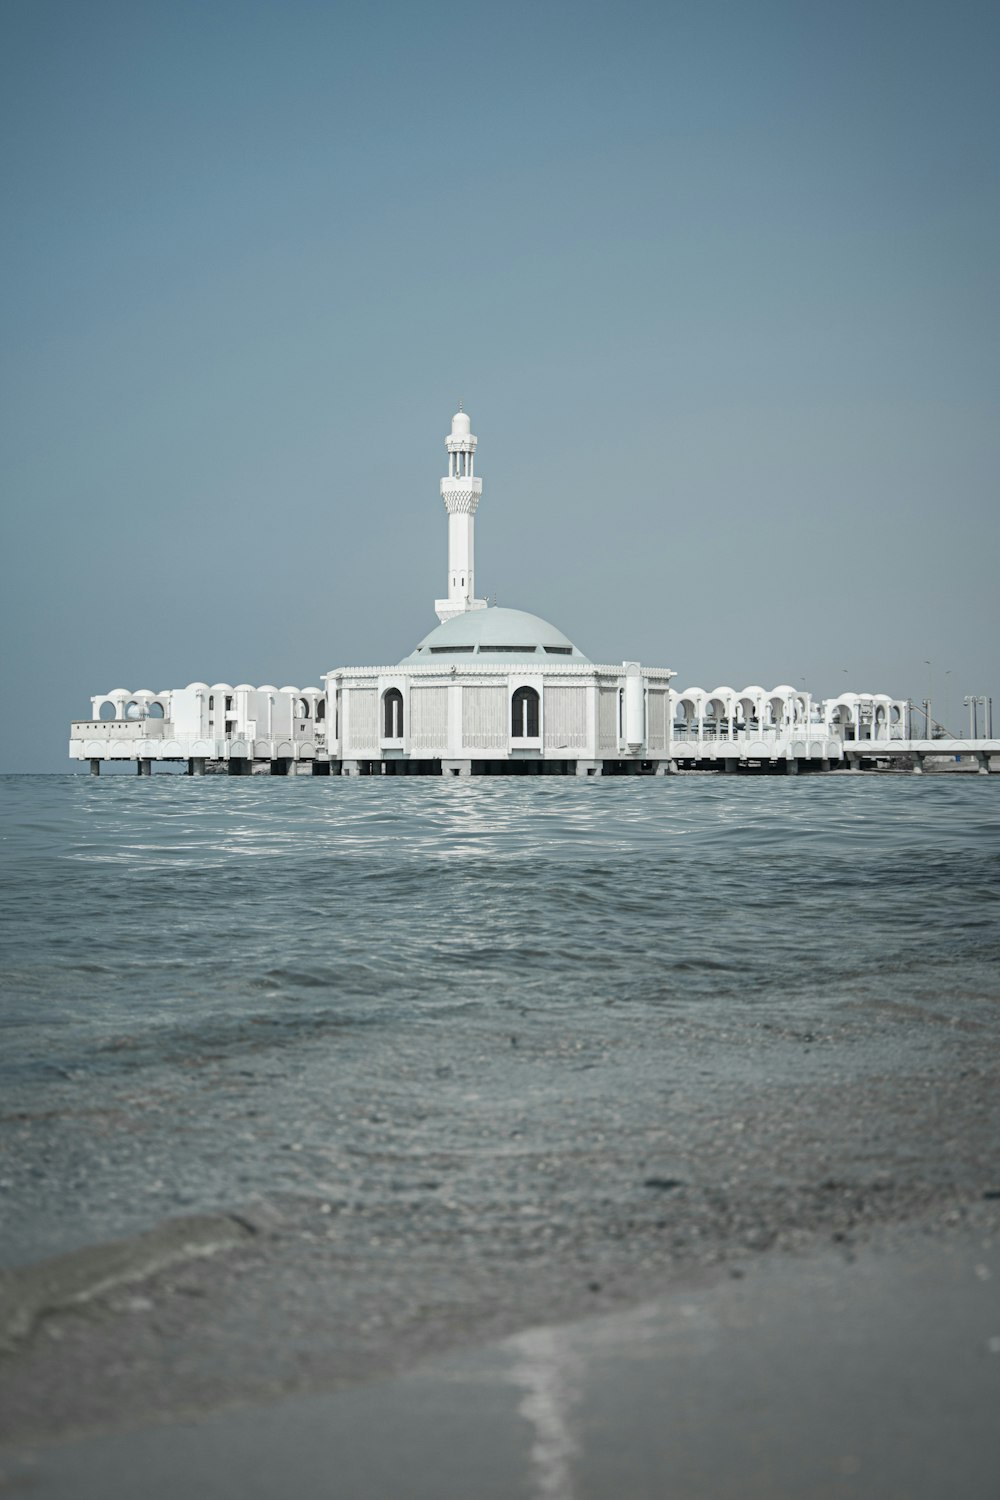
(461,426)
(494,635)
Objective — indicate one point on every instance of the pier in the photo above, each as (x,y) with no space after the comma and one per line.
(308,749)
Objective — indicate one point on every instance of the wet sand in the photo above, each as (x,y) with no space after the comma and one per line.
(830,1373)
(880,1150)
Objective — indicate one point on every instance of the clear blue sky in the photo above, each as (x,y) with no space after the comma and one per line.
(717,281)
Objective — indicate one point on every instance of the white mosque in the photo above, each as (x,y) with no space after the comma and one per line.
(490,691)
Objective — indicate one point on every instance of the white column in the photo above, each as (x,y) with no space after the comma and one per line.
(455,746)
(635,717)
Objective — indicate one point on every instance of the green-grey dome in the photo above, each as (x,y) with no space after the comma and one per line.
(494,635)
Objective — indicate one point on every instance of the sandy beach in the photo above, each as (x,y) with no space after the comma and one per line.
(864,1372)
(810,1281)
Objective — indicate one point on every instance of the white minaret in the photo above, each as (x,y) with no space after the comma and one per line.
(460,491)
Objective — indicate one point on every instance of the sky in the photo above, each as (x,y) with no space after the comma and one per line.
(717,282)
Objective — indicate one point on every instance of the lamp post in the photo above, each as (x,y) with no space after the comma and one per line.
(971,704)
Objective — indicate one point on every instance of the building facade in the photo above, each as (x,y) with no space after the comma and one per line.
(488,691)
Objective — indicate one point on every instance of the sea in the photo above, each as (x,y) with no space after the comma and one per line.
(220,990)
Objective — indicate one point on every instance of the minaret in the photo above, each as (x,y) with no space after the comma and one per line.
(460,491)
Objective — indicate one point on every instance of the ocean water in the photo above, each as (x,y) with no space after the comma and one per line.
(217,989)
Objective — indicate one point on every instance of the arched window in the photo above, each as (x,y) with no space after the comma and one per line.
(132,710)
(392,710)
(107,711)
(155,711)
(524,714)
(303,708)
(321,710)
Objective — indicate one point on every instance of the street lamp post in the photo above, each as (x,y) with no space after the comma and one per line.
(971,703)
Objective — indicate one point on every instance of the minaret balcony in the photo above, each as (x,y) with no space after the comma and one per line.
(461,494)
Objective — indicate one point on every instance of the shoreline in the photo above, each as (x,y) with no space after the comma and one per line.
(860,1370)
(412,1248)
(89,1342)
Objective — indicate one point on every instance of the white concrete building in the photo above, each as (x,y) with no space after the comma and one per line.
(489,691)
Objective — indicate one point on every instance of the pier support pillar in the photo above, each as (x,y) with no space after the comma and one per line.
(730,766)
(456,768)
(143,767)
(918,765)
(589,768)
(350,768)
(95,766)
(198,766)
(791,766)
(984,764)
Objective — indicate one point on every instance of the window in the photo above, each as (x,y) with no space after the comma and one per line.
(524,714)
(511,650)
(559,650)
(392,711)
(321,710)
(451,650)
